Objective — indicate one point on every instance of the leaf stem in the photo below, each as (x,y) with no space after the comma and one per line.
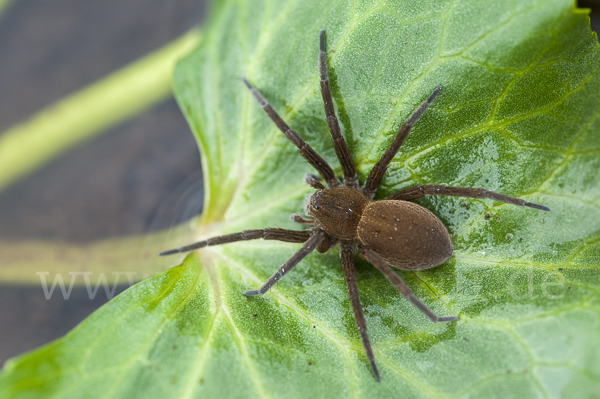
(30,144)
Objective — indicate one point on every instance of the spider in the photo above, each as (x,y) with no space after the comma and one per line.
(389,232)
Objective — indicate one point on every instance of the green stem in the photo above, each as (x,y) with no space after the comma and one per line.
(29,144)
(23,261)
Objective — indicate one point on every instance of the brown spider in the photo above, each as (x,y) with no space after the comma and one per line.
(389,232)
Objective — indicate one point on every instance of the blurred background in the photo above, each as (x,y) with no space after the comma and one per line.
(138,177)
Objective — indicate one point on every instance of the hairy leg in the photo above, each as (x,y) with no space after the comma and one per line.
(267,234)
(317,237)
(412,193)
(304,149)
(347,256)
(380,167)
(380,264)
(339,145)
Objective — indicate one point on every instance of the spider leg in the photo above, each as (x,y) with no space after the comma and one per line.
(380,264)
(347,257)
(307,248)
(412,193)
(380,167)
(339,145)
(267,234)
(304,149)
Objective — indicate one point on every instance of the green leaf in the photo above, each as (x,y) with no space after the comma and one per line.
(518,115)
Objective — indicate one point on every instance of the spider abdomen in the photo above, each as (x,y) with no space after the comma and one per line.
(407,235)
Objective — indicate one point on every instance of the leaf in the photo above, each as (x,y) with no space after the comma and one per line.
(518,115)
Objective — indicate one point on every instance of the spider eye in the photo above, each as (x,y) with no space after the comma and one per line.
(315,198)
(313,203)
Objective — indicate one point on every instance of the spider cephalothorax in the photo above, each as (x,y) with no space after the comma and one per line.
(389,232)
